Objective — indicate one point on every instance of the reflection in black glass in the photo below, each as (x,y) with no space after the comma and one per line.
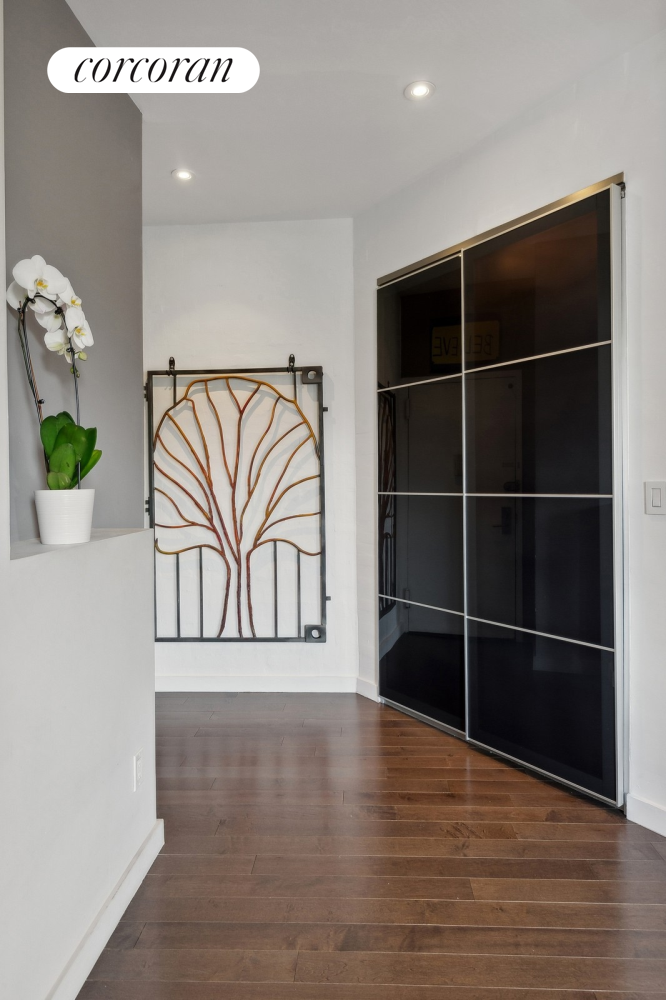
(541,426)
(542,287)
(419,331)
(387,487)
(546,702)
(429,551)
(422,662)
(428,421)
(544,564)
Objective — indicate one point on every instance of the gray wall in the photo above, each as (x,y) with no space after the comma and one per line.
(73,195)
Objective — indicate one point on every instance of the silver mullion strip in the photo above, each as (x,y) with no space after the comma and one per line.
(538,357)
(429,721)
(498,364)
(492,750)
(487,621)
(423,381)
(464,488)
(500,230)
(547,496)
(620,579)
(417,604)
(426,267)
(404,493)
(504,496)
(544,635)
(540,770)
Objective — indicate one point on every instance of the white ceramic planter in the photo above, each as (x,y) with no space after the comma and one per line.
(64,516)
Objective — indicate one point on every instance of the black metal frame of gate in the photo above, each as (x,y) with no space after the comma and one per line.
(309,375)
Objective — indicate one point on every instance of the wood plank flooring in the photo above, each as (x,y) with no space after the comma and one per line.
(322,847)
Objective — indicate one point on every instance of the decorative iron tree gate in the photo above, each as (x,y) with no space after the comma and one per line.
(237,503)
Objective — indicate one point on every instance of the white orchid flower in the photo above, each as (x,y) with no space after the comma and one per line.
(40,306)
(45,314)
(78,328)
(68,297)
(44,309)
(50,320)
(16,295)
(58,341)
(39,278)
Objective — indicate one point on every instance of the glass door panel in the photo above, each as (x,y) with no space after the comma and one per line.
(429,551)
(541,426)
(421,573)
(428,423)
(545,702)
(419,326)
(422,662)
(542,563)
(542,287)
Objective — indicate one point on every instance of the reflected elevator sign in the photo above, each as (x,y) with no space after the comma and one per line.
(482,343)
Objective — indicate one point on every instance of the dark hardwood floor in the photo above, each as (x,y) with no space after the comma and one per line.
(322,847)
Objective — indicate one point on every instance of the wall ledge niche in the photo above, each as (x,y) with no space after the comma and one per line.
(33,547)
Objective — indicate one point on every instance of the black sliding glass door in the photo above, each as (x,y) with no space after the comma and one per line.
(421,573)
(496,509)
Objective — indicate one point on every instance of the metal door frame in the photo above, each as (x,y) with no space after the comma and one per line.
(616,186)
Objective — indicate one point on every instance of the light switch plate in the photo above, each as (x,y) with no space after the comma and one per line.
(138,769)
(655,497)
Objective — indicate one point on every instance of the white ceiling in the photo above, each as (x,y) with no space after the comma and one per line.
(326,131)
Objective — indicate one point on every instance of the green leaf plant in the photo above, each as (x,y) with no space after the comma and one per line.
(69,449)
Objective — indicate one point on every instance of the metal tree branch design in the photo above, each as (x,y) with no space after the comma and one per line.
(237,468)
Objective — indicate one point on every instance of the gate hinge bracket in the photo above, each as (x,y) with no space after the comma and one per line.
(312,375)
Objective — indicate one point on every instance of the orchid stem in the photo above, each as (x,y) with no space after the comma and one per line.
(75,373)
(29,370)
(27,361)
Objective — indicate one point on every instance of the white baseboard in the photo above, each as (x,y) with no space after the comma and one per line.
(367,689)
(282,685)
(647,814)
(78,968)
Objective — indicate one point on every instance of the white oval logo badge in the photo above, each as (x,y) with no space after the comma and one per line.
(153,70)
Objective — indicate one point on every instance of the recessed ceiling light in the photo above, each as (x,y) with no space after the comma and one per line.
(182,175)
(419,90)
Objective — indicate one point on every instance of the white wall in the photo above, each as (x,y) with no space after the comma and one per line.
(249,295)
(101,188)
(76,703)
(611,121)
